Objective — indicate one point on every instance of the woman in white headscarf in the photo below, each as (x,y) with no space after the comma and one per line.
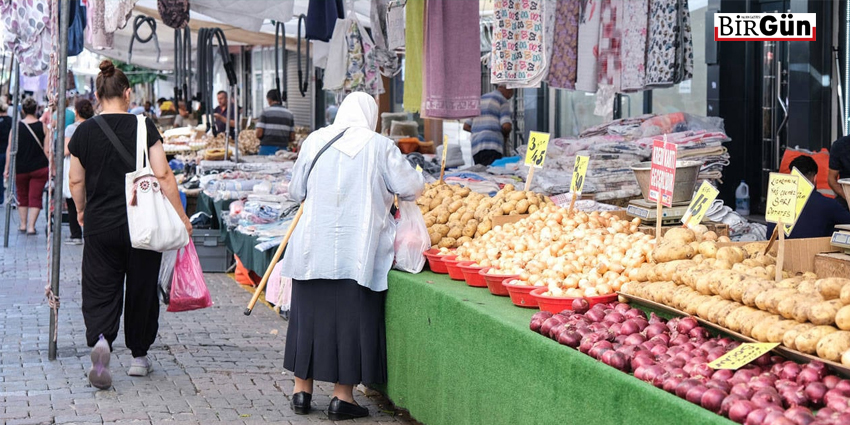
(340,253)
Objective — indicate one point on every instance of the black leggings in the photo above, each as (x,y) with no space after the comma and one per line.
(73,224)
(109,258)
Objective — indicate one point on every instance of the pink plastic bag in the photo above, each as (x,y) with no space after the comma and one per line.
(279,288)
(188,289)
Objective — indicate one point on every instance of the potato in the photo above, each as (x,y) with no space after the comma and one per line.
(761,328)
(732,254)
(443,217)
(778,329)
(455,232)
(734,319)
(435,237)
(830,288)
(709,236)
(703,309)
(786,306)
(833,346)
(801,310)
(671,251)
(680,235)
(751,320)
(845,294)
(790,337)
(463,240)
(533,209)
(722,264)
(447,243)
(430,221)
(842,318)
(777,296)
(442,229)
(522,206)
(823,313)
(845,359)
(723,314)
(807,341)
(753,291)
(516,196)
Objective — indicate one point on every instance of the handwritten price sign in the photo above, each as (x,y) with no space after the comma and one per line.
(700,204)
(804,190)
(536,153)
(662,176)
(579,171)
(742,356)
(781,198)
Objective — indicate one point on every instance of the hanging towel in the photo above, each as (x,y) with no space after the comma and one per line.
(322,15)
(117,13)
(587,76)
(633,52)
(452,61)
(562,69)
(414,44)
(96,35)
(519,46)
(664,20)
(29,33)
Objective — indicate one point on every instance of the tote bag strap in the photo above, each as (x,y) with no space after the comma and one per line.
(122,151)
(142,158)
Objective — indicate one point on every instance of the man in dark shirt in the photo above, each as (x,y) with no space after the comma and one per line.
(5,129)
(274,128)
(223,109)
(821,214)
(839,167)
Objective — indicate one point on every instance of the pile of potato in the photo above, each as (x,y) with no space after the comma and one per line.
(455,215)
(734,287)
(575,256)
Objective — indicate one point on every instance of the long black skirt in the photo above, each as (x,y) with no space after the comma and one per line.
(336,333)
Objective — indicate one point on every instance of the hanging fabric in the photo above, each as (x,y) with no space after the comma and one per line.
(633,52)
(76,29)
(414,35)
(686,40)
(669,58)
(609,44)
(452,64)
(96,35)
(562,69)
(519,56)
(322,15)
(352,65)
(174,13)
(117,13)
(248,15)
(587,75)
(387,60)
(28,33)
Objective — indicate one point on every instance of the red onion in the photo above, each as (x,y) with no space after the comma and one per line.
(598,348)
(837,402)
(628,350)
(641,360)
(723,342)
(614,317)
(843,386)
(723,375)
(699,333)
(740,409)
(595,315)
(671,383)
(816,391)
(679,340)
(641,322)
(672,323)
(686,324)
(661,339)
(831,381)
(716,353)
(708,345)
(702,370)
(653,318)
(732,345)
(658,350)
(549,323)
(628,327)
(782,384)
(825,413)
(622,307)
(655,329)
(694,395)
(614,359)
(720,384)
(763,360)
(580,305)
(800,415)
(621,339)
(760,382)
(588,341)
(742,390)
(684,356)
(793,396)
(756,417)
(776,359)
(598,327)
(570,338)
(712,399)
(635,313)
(844,418)
(685,386)
(538,319)
(808,375)
(766,397)
(678,372)
(653,373)
(616,329)
(776,418)
(727,403)
(789,370)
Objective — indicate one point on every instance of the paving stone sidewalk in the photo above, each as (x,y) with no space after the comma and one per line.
(210,366)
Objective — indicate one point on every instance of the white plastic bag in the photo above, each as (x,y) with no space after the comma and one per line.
(66,186)
(411,238)
(166,272)
(153,222)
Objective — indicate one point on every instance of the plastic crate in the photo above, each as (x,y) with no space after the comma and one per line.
(213,254)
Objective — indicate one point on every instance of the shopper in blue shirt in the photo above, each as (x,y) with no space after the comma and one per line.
(821,214)
(492,126)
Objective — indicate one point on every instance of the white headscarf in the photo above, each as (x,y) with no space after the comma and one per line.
(359,114)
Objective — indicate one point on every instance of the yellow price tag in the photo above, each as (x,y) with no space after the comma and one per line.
(804,191)
(742,356)
(579,171)
(700,204)
(445,149)
(536,153)
(418,168)
(781,198)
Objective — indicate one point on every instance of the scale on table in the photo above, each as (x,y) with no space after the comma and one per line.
(841,238)
(647,211)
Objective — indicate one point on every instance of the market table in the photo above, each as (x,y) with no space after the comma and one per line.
(240,244)
(457,354)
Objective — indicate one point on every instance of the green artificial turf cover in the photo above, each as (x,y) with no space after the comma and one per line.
(459,355)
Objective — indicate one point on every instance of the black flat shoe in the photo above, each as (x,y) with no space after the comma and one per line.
(301,403)
(340,410)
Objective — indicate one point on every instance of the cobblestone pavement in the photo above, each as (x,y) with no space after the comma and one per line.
(210,366)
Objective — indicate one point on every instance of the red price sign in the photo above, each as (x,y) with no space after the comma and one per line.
(662,176)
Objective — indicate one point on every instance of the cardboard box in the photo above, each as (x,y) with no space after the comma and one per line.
(832,265)
(799,253)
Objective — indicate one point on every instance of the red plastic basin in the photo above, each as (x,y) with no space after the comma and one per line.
(472,274)
(435,261)
(451,263)
(558,304)
(521,294)
(494,283)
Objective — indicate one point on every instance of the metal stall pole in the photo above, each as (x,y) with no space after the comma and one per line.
(58,160)
(16,100)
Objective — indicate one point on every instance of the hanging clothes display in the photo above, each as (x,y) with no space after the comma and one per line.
(519,56)
(633,51)
(609,44)
(352,65)
(28,33)
(452,62)
(587,75)
(322,15)
(669,58)
(76,29)
(174,13)
(117,13)
(388,61)
(562,69)
(414,34)
(96,35)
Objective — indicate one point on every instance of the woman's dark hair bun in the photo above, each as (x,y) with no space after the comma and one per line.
(107,68)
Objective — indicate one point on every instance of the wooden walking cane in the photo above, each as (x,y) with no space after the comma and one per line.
(277,255)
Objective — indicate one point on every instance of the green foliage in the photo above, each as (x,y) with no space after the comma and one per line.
(138,75)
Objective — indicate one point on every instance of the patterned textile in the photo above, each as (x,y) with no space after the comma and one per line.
(28,33)
(117,13)
(609,44)
(562,69)
(174,13)
(633,51)
(387,60)
(96,34)
(589,28)
(519,49)
(669,58)
(361,72)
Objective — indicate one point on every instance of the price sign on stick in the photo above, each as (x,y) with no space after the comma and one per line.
(700,204)
(743,355)
(804,191)
(577,184)
(781,204)
(662,176)
(443,163)
(536,154)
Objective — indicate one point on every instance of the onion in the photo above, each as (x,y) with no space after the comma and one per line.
(686,324)
(740,409)
(652,373)
(598,327)
(595,315)
(599,347)
(776,418)
(831,381)
(629,327)
(800,415)
(661,339)
(567,313)
(760,382)
(671,383)
(712,399)
(825,413)
(588,341)
(658,350)
(766,397)
(756,417)
(580,305)
(843,386)
(782,384)
(685,386)
(641,322)
(614,359)
(678,372)
(725,341)
(694,395)
(723,375)
(538,319)
(621,339)
(708,345)
(698,333)
(614,317)
(616,330)
(641,360)
(679,340)
(655,329)
(635,313)
(653,319)
(549,323)
(789,370)
(836,401)
(807,376)
(719,384)
(793,396)
(816,391)
(763,360)
(727,403)
(702,370)
(622,308)
(742,390)
(627,350)
(570,338)
(716,353)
